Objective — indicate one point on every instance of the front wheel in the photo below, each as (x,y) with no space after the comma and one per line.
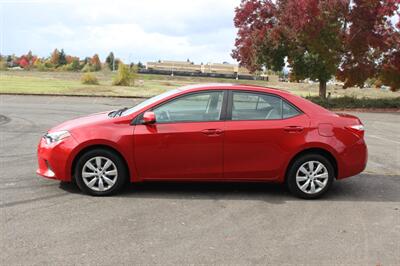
(310,176)
(100,172)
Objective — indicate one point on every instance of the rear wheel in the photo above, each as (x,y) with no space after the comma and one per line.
(310,176)
(100,172)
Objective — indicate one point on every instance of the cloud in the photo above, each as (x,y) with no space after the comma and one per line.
(201,30)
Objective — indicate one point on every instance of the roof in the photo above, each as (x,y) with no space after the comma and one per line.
(231,86)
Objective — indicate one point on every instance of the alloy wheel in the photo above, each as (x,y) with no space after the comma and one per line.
(99,173)
(312,177)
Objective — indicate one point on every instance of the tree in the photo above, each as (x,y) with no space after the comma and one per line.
(73,63)
(140,65)
(353,40)
(62,58)
(372,44)
(110,60)
(55,57)
(23,62)
(95,61)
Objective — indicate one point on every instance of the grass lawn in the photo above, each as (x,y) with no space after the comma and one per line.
(34,82)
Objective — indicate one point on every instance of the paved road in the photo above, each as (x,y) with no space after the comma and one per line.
(45,222)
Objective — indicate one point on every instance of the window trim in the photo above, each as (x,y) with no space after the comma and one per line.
(230,105)
(222,117)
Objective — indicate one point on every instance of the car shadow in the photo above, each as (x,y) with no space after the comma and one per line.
(363,187)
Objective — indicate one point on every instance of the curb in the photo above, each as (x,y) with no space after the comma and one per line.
(74,95)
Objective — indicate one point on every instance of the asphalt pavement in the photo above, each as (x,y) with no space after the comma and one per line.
(47,222)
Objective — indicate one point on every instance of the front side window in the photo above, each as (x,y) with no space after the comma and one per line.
(204,106)
(256,106)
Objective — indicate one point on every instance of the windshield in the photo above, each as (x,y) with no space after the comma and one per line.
(148,102)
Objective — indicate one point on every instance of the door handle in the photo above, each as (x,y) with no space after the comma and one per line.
(293,129)
(212,132)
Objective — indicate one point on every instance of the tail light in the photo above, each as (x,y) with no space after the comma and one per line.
(357,129)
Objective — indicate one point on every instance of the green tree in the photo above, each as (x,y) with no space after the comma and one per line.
(110,60)
(74,65)
(62,58)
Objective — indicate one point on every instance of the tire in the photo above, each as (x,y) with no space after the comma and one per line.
(100,172)
(307,184)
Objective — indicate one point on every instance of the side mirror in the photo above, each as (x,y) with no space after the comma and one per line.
(149,118)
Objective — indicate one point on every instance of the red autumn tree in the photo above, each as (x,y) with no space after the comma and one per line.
(95,61)
(26,61)
(353,40)
(23,62)
(55,57)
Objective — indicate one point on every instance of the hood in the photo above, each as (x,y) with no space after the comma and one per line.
(82,122)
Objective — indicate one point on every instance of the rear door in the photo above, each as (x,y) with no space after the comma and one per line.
(260,131)
(186,142)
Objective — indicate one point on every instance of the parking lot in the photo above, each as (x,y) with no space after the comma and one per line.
(48,222)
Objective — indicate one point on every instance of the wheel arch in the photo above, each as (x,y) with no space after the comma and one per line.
(321,151)
(97,146)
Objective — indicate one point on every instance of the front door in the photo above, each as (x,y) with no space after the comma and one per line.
(186,142)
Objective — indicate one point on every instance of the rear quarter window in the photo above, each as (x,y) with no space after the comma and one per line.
(288,110)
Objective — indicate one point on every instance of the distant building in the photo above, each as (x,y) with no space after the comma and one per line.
(188,68)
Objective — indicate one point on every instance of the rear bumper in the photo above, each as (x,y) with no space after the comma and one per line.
(53,159)
(353,160)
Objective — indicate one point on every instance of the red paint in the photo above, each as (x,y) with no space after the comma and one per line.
(252,150)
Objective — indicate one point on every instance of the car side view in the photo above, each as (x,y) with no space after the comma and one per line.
(213,132)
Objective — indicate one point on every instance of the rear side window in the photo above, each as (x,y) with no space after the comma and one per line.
(289,110)
(260,106)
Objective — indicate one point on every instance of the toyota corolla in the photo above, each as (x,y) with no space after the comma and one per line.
(214,132)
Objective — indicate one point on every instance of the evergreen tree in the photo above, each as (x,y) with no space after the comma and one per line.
(62,58)
(110,61)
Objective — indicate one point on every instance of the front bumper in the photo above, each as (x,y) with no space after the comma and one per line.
(54,159)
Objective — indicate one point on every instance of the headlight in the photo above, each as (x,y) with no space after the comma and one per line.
(56,136)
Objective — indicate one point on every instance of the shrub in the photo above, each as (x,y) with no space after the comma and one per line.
(88,68)
(89,78)
(347,102)
(125,76)
(48,64)
(39,65)
(3,65)
(73,66)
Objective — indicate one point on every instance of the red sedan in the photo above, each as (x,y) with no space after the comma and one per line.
(215,132)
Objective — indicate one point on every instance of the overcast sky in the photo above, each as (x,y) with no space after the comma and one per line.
(144,30)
